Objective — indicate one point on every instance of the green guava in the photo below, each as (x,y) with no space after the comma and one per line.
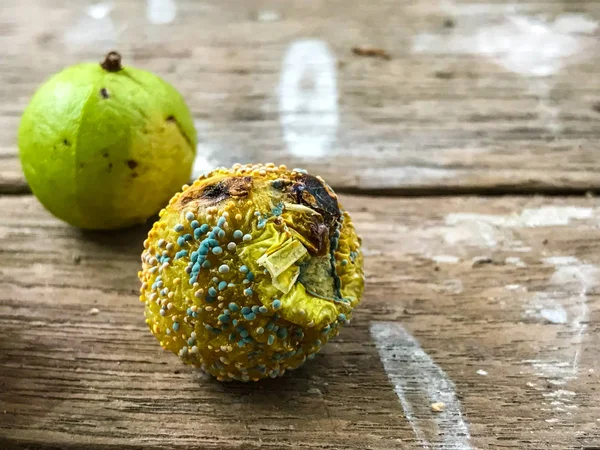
(105,146)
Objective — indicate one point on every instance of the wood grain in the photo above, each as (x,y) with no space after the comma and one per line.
(70,378)
(443,115)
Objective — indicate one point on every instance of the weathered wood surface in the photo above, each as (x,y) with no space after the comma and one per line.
(490,305)
(476,96)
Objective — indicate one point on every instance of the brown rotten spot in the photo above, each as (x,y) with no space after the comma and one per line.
(214,193)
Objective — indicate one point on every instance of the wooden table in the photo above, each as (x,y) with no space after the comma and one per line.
(463,153)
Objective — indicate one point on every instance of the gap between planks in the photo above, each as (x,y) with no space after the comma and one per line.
(19,189)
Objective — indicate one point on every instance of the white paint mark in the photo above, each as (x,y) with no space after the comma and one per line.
(453,286)
(95,28)
(546,216)
(406,175)
(445,259)
(571,311)
(554,215)
(99,11)
(204,161)
(525,45)
(481,372)
(160,12)
(488,230)
(513,287)
(366,251)
(419,382)
(529,46)
(560,260)
(515,261)
(575,24)
(308,99)
(532,47)
(556,315)
(560,394)
(268,15)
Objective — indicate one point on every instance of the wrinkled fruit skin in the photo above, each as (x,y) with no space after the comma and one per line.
(250,271)
(104,150)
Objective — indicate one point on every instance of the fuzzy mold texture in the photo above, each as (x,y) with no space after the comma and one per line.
(250,271)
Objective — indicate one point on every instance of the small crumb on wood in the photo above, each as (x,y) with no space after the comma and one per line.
(482,372)
(438,406)
(449,23)
(94,311)
(545,242)
(443,75)
(481,260)
(76,259)
(314,391)
(371,52)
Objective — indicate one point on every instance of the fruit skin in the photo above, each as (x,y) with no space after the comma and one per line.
(106,149)
(250,270)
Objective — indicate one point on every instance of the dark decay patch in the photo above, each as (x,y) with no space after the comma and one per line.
(216,192)
(105,154)
(310,191)
(81,165)
(132,163)
(239,186)
(170,119)
(104,93)
(224,189)
(134,175)
(110,166)
(66,142)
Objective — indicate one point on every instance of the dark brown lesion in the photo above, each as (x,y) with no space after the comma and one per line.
(234,187)
(240,186)
(312,192)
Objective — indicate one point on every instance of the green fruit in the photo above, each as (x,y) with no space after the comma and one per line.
(104,146)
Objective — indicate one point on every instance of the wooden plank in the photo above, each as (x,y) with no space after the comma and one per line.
(490,305)
(476,96)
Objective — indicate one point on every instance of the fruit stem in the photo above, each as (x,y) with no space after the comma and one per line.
(112,62)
